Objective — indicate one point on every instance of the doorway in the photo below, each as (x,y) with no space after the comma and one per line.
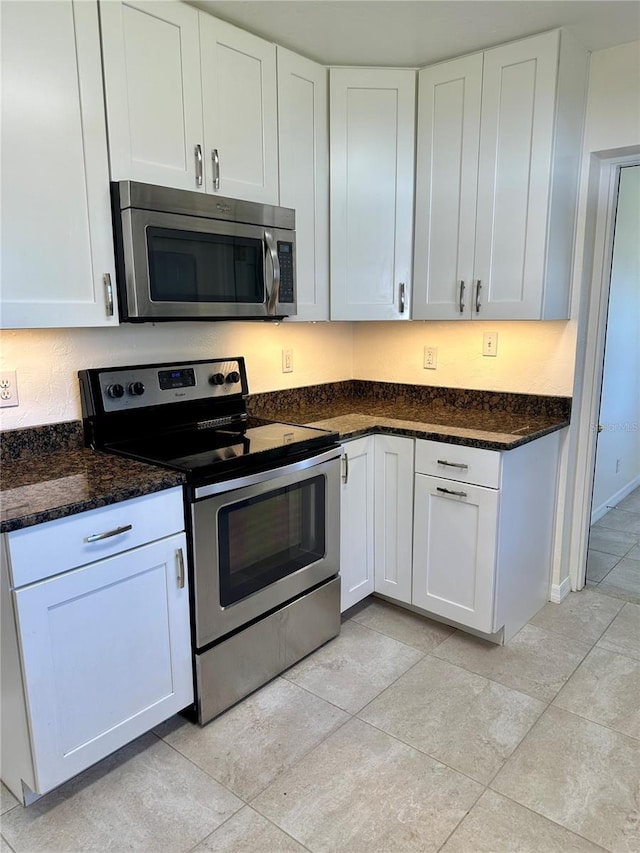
(613,556)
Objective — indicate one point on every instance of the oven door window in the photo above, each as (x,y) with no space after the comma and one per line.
(187,266)
(264,538)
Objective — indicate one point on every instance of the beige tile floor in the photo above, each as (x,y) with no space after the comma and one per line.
(400,735)
(613,561)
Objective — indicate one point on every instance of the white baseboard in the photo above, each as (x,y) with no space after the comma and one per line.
(560,591)
(614,500)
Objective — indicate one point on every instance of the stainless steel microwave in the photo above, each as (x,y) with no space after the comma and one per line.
(184,255)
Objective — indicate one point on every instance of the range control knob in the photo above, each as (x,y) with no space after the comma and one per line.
(115,391)
(216,379)
(233,377)
(136,389)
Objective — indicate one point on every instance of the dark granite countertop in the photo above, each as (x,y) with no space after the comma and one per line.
(47,473)
(489,420)
(43,482)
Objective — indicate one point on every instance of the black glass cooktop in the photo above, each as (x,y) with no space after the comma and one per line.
(204,452)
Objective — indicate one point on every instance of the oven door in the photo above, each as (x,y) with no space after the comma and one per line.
(179,267)
(263,541)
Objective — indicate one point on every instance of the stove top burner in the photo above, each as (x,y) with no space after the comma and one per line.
(189,416)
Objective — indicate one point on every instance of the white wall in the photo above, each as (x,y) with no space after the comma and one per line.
(612,128)
(47,361)
(533,357)
(619,442)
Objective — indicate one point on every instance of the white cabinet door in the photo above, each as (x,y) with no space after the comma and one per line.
(240,112)
(454,551)
(105,656)
(372,118)
(514,176)
(393,516)
(153,95)
(304,175)
(446,185)
(56,237)
(356,522)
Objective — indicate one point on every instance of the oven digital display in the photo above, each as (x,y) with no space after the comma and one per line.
(182,378)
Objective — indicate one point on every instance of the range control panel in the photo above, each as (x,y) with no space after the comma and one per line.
(124,388)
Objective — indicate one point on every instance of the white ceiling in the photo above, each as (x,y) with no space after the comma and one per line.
(419,32)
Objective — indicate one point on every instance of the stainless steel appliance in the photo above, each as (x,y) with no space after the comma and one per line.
(184,255)
(262,503)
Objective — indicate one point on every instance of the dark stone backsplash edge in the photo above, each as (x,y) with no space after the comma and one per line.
(26,442)
(272,404)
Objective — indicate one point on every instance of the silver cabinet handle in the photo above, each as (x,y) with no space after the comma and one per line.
(451,492)
(403,303)
(345,476)
(108,289)
(198,165)
(460,465)
(478,289)
(275,263)
(215,158)
(97,537)
(461,297)
(180,560)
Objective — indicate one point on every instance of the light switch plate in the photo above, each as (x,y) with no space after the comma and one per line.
(490,343)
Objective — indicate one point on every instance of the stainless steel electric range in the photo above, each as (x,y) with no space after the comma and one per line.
(262,504)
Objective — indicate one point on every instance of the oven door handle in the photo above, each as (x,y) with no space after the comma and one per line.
(263,476)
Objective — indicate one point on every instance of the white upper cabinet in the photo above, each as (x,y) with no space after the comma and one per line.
(240,112)
(372,120)
(57,247)
(191,101)
(497,175)
(153,92)
(303,137)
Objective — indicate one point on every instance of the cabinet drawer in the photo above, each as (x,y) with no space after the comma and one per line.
(455,462)
(57,546)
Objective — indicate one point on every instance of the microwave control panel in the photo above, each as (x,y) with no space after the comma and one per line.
(285,256)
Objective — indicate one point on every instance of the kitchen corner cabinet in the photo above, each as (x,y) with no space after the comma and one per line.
(357,521)
(393,502)
(191,100)
(57,248)
(95,637)
(372,121)
(483,526)
(498,156)
(303,136)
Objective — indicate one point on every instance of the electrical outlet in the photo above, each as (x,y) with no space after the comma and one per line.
(287,361)
(490,343)
(8,389)
(430,358)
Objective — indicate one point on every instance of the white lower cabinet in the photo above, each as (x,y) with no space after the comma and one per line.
(94,656)
(454,542)
(356,521)
(393,501)
(483,526)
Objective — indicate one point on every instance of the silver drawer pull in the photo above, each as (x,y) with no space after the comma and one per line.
(345,476)
(97,537)
(451,492)
(460,465)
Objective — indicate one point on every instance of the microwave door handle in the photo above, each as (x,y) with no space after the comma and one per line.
(275,266)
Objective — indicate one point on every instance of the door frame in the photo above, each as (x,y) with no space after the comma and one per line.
(604,179)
